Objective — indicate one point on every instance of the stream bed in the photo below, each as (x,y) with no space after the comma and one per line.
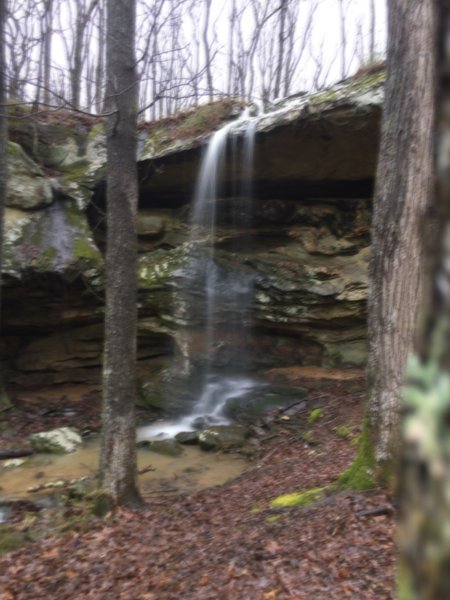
(193,470)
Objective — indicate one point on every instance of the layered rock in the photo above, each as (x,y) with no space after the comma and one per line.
(306,247)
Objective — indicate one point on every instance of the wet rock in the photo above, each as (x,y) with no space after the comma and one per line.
(150,226)
(28,188)
(164,447)
(58,441)
(187,437)
(314,167)
(13,463)
(223,437)
(56,240)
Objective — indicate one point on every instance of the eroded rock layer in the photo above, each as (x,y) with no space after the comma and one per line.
(305,247)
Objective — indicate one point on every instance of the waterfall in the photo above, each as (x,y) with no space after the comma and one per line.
(227,295)
(215,298)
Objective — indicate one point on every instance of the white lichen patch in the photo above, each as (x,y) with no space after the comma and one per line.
(60,441)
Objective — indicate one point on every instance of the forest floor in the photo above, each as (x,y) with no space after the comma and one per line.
(229,542)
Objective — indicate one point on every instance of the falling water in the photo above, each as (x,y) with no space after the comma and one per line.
(227,293)
(216,299)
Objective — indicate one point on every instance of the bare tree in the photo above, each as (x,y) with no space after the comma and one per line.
(100,65)
(83,15)
(3,159)
(343,43)
(401,204)
(46,52)
(118,452)
(372,30)
(282,19)
(207,49)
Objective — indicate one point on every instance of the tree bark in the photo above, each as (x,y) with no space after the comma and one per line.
(401,204)
(47,50)
(372,29)
(207,51)
(4,402)
(281,44)
(118,453)
(343,39)
(424,566)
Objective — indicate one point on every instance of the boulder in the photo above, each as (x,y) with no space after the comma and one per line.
(28,187)
(167,447)
(58,441)
(187,437)
(223,437)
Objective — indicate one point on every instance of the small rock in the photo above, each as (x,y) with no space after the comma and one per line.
(187,437)
(223,437)
(165,447)
(12,463)
(58,441)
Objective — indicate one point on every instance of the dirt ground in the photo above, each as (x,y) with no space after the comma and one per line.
(226,542)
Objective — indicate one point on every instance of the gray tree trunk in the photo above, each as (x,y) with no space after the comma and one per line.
(47,51)
(424,534)
(372,30)
(401,203)
(281,46)
(343,39)
(3,162)
(118,453)
(3,132)
(3,139)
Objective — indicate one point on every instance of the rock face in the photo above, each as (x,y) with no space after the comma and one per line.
(306,246)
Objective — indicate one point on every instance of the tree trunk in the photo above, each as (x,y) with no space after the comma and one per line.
(372,30)
(402,201)
(207,51)
(47,60)
(4,402)
(281,44)
(425,469)
(343,39)
(118,453)
(100,68)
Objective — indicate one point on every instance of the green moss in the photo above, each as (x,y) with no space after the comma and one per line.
(83,249)
(154,269)
(315,415)
(10,539)
(5,402)
(14,150)
(95,131)
(350,87)
(303,498)
(309,437)
(48,257)
(404,584)
(344,431)
(75,172)
(361,474)
(322,97)
(148,398)
(101,503)
(273,518)
(161,134)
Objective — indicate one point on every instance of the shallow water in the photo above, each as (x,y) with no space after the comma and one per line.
(193,470)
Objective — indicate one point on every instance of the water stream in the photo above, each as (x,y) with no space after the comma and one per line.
(215,356)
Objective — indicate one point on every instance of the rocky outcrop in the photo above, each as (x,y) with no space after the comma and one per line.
(306,247)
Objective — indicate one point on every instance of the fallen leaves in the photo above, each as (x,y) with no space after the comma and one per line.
(213,545)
